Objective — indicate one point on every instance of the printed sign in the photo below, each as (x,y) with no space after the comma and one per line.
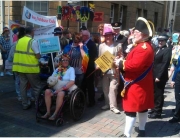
(33,17)
(44,32)
(105,61)
(49,45)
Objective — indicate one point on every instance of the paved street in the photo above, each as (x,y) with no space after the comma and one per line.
(15,122)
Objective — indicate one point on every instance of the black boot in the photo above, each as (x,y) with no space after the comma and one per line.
(141,133)
(154,115)
(151,111)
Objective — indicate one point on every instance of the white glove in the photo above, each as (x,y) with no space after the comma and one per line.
(117,60)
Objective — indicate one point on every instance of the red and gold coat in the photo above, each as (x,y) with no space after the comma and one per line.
(140,95)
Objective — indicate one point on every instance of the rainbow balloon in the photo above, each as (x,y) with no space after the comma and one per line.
(14,28)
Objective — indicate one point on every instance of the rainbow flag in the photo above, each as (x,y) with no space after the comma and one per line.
(85,58)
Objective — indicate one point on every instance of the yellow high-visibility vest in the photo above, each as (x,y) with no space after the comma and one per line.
(24,57)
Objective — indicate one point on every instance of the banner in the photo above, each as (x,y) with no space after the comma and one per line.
(33,17)
(44,32)
(105,61)
(13,27)
(49,45)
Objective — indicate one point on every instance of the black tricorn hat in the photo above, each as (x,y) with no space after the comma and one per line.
(57,30)
(163,37)
(116,25)
(144,26)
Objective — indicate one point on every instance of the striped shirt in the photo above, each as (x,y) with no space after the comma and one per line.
(5,43)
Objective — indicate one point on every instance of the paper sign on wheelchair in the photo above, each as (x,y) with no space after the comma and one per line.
(105,61)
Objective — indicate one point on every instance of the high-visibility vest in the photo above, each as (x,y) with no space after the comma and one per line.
(25,60)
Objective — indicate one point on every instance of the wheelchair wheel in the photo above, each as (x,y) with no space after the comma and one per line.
(59,122)
(41,106)
(77,104)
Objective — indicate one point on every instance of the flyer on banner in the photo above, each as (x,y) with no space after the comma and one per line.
(33,17)
(49,45)
(13,31)
(105,61)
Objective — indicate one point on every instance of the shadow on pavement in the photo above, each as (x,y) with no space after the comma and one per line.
(168,129)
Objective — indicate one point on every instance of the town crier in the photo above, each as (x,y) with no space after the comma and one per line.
(138,93)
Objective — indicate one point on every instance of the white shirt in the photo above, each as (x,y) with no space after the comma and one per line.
(68,76)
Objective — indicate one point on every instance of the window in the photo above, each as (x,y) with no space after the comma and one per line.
(112,13)
(122,19)
(40,7)
(121,14)
(155,19)
(138,13)
(145,13)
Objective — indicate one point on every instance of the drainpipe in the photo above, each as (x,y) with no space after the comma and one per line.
(8,13)
(2,15)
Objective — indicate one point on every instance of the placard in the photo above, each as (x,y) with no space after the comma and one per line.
(49,45)
(105,61)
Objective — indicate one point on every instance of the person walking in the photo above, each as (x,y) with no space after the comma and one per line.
(160,70)
(88,81)
(110,79)
(176,85)
(138,96)
(79,57)
(26,64)
(5,48)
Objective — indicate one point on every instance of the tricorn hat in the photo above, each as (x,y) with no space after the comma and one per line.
(144,26)
(57,30)
(116,25)
(163,37)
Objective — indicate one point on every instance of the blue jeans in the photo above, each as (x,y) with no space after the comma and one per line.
(17,84)
(4,58)
(17,87)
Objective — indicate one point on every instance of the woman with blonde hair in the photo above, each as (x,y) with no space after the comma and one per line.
(100,31)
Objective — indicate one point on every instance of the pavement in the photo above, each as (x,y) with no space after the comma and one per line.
(15,122)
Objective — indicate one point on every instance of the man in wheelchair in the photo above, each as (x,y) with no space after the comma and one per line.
(64,73)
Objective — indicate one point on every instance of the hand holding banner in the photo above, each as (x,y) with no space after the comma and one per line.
(105,61)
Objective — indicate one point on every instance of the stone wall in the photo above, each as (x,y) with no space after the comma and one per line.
(16,8)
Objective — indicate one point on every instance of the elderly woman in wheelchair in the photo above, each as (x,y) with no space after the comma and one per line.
(62,80)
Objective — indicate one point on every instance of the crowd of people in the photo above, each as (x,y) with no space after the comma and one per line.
(140,60)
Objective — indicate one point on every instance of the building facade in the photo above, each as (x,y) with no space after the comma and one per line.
(124,11)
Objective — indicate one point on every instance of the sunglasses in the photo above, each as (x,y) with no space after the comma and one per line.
(64,60)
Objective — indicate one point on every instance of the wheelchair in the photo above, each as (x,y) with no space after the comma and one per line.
(74,102)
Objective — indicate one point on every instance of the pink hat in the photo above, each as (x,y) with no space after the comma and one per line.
(108,29)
